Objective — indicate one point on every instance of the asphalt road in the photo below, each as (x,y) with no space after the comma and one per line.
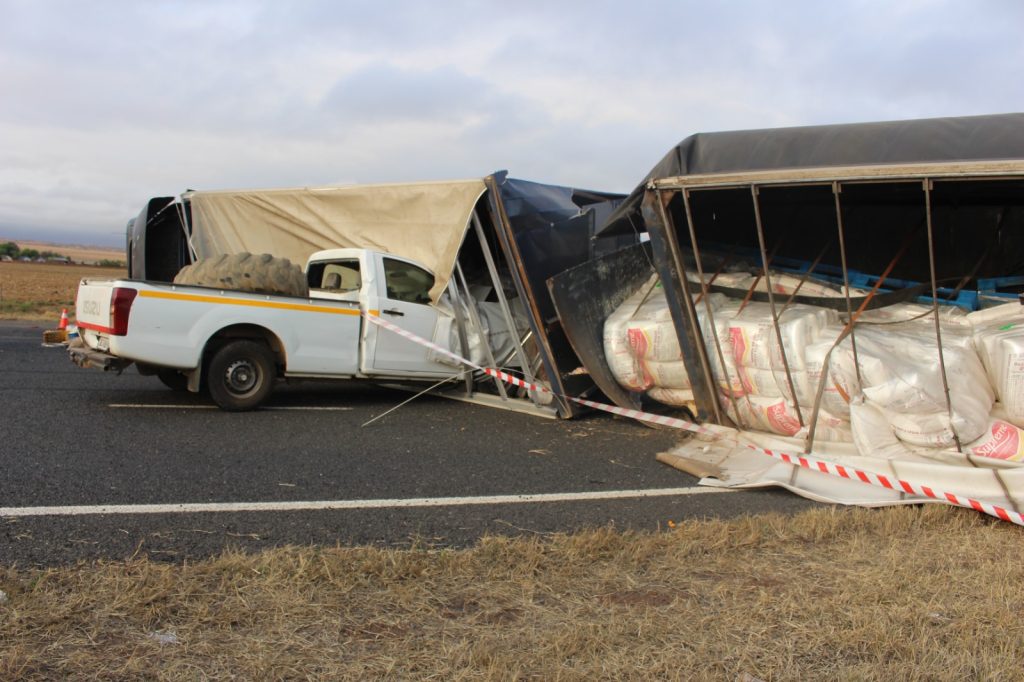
(72,437)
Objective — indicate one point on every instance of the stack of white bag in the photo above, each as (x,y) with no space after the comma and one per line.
(753,383)
(895,405)
(642,348)
(902,412)
(782,284)
(901,376)
(643,353)
(999,338)
(873,435)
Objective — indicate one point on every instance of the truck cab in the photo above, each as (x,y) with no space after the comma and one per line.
(395,288)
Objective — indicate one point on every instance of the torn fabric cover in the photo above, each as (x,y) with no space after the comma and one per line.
(966,138)
(425,222)
(733,461)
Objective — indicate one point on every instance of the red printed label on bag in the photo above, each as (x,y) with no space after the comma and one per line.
(781,420)
(1004,443)
(639,342)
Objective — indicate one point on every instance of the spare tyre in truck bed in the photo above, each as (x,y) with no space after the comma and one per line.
(262,273)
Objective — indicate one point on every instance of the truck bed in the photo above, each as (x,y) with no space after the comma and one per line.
(169,325)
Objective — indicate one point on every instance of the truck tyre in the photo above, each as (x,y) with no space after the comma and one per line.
(147,370)
(262,274)
(241,375)
(173,379)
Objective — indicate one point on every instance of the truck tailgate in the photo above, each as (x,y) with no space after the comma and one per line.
(92,308)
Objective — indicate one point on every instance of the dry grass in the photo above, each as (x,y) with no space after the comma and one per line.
(909,594)
(38,291)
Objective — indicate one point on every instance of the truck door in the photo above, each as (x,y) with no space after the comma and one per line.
(401,296)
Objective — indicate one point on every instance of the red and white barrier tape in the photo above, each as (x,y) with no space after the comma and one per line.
(897,484)
(802,461)
(516,381)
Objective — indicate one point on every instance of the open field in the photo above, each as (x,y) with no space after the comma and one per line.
(38,291)
(76,252)
(906,593)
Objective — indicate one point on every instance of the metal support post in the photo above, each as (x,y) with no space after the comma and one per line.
(460,323)
(754,193)
(707,306)
(691,338)
(475,319)
(927,186)
(502,301)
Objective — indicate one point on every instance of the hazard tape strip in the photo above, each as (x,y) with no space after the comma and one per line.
(896,484)
(415,338)
(802,461)
(521,383)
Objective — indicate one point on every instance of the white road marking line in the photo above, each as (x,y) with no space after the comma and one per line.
(297,408)
(322,505)
(309,408)
(140,406)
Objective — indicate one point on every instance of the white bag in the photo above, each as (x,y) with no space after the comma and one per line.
(1000,344)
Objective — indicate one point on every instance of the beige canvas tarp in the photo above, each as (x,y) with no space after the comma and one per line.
(425,221)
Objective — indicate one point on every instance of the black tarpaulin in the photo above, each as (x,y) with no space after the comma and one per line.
(966,138)
(553,227)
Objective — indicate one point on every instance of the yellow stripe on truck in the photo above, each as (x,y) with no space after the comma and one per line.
(222,300)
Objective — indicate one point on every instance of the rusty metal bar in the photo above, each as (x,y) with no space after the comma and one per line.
(721,267)
(907,243)
(691,311)
(507,239)
(1010,169)
(506,311)
(754,194)
(750,293)
(840,227)
(757,280)
(927,186)
(806,275)
(820,389)
(707,306)
(670,266)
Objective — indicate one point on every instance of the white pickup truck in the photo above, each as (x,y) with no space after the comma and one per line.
(237,343)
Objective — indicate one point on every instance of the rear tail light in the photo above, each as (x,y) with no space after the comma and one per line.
(120,307)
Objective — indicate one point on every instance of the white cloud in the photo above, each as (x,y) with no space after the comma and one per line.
(107,104)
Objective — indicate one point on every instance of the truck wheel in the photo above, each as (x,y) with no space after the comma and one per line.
(173,379)
(146,369)
(262,274)
(241,376)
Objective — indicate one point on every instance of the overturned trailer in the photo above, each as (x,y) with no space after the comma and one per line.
(490,244)
(849,290)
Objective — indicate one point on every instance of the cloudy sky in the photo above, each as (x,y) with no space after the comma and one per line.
(105,104)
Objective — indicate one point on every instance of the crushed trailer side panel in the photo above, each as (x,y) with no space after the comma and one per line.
(543,230)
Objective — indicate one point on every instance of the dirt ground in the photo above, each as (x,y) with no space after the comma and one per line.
(38,291)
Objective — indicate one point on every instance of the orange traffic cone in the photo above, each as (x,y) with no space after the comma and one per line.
(63,319)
